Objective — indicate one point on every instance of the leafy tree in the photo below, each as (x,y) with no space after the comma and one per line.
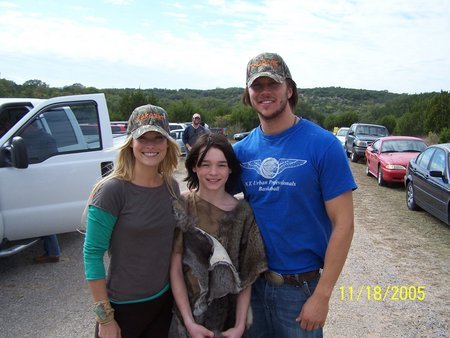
(348,118)
(182,111)
(133,99)
(244,118)
(410,124)
(9,89)
(437,116)
(35,88)
(330,122)
(340,120)
(389,121)
(444,135)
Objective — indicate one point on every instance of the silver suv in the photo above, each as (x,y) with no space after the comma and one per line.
(359,136)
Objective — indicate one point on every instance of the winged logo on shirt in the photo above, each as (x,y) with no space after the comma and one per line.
(271,167)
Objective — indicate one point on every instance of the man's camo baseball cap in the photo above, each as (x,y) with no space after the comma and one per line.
(267,64)
(148,118)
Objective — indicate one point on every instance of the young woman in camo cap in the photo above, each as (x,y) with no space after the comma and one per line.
(130,215)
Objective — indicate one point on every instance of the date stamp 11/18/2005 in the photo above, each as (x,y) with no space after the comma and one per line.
(382,293)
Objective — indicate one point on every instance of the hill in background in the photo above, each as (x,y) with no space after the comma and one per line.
(406,114)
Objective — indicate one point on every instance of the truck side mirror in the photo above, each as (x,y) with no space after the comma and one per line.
(19,153)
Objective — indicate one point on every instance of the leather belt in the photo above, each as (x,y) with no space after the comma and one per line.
(277,279)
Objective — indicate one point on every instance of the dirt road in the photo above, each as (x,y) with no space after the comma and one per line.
(397,255)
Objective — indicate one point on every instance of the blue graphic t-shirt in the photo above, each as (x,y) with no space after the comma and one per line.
(287,177)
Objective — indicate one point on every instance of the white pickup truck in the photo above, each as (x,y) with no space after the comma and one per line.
(52,152)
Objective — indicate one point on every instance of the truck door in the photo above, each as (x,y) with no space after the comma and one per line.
(49,195)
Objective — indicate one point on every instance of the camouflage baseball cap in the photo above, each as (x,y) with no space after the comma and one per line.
(148,118)
(267,64)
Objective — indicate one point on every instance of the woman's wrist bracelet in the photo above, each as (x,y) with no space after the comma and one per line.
(104,312)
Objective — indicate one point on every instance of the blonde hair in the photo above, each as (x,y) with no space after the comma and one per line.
(124,168)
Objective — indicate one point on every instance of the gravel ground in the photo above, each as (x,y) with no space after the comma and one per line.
(399,251)
(392,248)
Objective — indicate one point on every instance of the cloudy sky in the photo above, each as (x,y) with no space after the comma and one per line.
(402,46)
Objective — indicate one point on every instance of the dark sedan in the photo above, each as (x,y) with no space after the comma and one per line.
(427,182)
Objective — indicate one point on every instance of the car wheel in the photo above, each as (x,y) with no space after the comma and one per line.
(367,170)
(410,201)
(381,181)
(353,156)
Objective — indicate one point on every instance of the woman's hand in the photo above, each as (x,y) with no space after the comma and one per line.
(109,330)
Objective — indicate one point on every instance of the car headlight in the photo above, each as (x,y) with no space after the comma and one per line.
(395,166)
(361,143)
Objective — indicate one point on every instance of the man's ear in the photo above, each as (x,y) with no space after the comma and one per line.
(290,92)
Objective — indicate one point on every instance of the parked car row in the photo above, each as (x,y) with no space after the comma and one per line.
(425,171)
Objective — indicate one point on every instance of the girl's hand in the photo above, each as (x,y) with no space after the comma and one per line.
(233,333)
(198,331)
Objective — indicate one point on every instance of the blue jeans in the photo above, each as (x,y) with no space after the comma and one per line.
(276,307)
(51,246)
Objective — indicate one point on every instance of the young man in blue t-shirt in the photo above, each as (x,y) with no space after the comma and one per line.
(298,181)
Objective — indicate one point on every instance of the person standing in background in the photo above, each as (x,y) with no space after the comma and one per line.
(52,252)
(130,215)
(193,131)
(299,184)
(40,146)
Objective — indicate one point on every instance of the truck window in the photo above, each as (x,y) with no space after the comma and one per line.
(60,130)
(9,117)
(40,144)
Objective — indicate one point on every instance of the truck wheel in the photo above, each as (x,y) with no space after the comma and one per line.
(410,201)
(353,156)
(380,179)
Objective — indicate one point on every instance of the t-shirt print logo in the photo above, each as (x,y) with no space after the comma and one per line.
(270,167)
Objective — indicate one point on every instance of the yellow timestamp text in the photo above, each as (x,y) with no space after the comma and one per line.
(382,293)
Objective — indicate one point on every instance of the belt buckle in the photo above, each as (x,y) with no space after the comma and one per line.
(274,278)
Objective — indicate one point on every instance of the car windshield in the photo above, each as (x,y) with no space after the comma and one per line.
(371,130)
(403,146)
(342,132)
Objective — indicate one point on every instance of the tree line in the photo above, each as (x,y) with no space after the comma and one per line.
(403,114)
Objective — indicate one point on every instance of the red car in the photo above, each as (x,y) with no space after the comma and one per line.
(388,157)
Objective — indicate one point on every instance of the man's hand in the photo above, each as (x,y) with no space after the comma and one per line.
(314,313)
